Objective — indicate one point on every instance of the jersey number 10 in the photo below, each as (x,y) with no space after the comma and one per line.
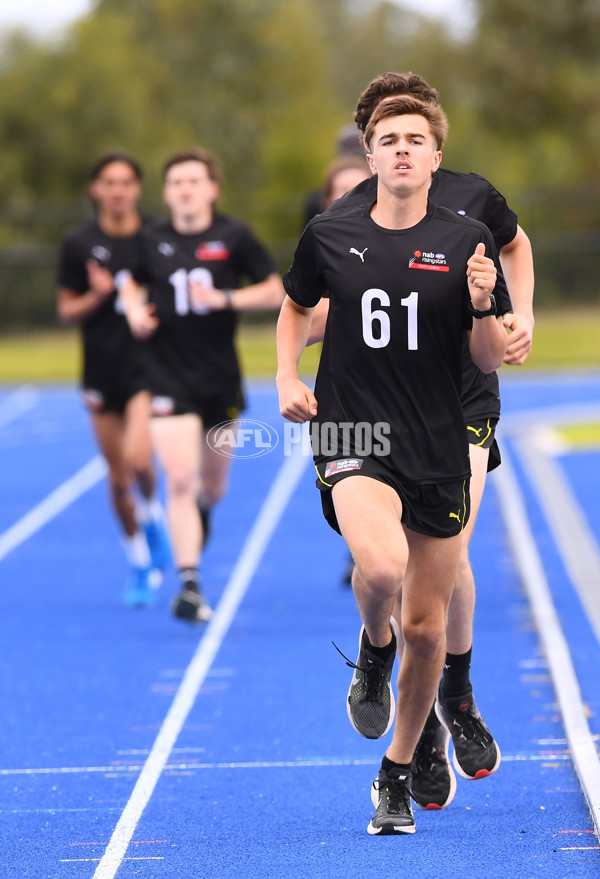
(376,316)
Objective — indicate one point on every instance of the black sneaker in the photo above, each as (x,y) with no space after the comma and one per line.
(433,780)
(191,606)
(371,703)
(476,754)
(391,798)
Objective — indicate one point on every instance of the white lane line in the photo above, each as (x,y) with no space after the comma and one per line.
(570,530)
(327,762)
(51,506)
(581,743)
(256,543)
(17,403)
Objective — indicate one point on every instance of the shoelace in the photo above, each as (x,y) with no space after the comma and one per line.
(398,796)
(373,672)
(473,729)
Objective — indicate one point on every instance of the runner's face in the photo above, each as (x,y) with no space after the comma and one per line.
(116,190)
(404,153)
(188,189)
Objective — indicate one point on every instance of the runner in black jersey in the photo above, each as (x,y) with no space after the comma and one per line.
(184,297)
(404,278)
(94,260)
(476,753)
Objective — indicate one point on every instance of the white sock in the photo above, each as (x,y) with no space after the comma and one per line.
(136,550)
(149,510)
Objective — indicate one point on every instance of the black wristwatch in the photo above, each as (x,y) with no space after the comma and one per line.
(490,311)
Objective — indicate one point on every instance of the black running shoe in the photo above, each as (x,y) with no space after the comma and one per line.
(476,754)
(191,606)
(371,701)
(433,780)
(391,798)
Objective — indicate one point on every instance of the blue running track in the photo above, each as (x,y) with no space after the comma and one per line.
(135,745)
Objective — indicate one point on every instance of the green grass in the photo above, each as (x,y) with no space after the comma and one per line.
(566,339)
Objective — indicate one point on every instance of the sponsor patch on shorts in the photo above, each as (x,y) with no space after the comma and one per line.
(93,400)
(162,406)
(345,465)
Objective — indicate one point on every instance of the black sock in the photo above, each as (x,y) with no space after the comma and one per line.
(381,652)
(394,769)
(455,679)
(190,579)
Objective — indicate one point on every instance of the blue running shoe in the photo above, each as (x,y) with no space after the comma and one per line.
(139,592)
(158,544)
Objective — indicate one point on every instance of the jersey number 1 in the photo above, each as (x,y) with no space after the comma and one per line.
(371,315)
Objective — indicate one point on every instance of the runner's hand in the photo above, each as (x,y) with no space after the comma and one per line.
(297,402)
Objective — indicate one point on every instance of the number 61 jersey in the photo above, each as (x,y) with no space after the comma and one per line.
(397,317)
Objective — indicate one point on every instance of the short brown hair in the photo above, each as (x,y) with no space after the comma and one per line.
(389,85)
(195,154)
(404,105)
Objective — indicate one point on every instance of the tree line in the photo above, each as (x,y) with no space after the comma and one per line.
(267,84)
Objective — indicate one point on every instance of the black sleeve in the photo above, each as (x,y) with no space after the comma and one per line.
(303,281)
(498,217)
(72,272)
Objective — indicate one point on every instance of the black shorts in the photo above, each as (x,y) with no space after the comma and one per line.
(438,510)
(213,409)
(114,401)
(481,432)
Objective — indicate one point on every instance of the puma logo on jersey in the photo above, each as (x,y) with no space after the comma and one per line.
(476,430)
(358,253)
(454,516)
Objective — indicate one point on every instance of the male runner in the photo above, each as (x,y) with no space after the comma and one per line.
(476,754)
(94,260)
(184,298)
(405,279)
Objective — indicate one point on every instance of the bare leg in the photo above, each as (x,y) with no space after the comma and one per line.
(109,431)
(177,440)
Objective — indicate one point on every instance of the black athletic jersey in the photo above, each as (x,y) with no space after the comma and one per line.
(111,355)
(192,353)
(473,196)
(398,312)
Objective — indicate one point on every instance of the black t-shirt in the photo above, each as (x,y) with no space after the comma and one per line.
(193,354)
(473,196)
(392,351)
(112,357)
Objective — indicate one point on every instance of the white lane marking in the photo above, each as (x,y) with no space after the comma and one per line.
(581,743)
(254,764)
(570,530)
(51,506)
(256,543)
(17,403)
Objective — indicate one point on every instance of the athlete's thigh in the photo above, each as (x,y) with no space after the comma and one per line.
(478,457)
(369,514)
(109,431)
(176,440)
(430,573)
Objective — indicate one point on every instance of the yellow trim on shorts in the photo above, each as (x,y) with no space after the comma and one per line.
(322,480)
(485,437)
(464,506)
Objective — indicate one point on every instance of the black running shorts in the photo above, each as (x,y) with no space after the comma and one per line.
(438,510)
